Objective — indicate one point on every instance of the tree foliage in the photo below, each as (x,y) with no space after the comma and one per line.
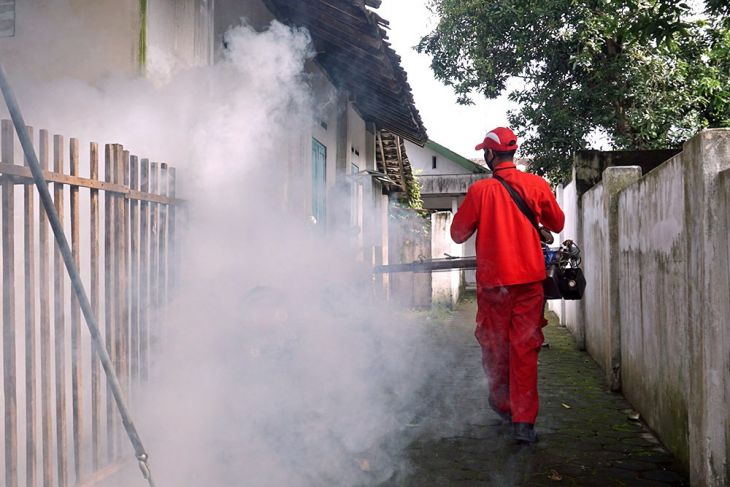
(643,74)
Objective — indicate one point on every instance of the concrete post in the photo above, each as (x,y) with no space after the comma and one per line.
(445,287)
(706,155)
(615,179)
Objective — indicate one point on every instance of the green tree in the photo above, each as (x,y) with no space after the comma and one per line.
(643,74)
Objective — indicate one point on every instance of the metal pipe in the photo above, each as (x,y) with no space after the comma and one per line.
(429,265)
(47,202)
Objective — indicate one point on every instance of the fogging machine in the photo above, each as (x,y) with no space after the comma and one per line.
(565,279)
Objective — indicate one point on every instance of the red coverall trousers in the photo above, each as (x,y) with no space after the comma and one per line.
(509,330)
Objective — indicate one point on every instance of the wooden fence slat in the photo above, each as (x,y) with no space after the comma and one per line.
(44,262)
(109,291)
(162,258)
(96,392)
(31,428)
(118,282)
(9,351)
(123,225)
(76,354)
(172,234)
(59,325)
(154,289)
(144,246)
(134,271)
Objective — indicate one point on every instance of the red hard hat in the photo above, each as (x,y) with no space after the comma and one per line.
(500,139)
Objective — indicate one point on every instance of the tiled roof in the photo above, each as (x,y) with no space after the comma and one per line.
(352,47)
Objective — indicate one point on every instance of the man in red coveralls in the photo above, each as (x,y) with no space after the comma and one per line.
(510,271)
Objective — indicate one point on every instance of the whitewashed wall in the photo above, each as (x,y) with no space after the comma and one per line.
(658,271)
(652,268)
(595,248)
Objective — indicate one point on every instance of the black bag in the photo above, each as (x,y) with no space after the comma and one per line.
(564,282)
(561,281)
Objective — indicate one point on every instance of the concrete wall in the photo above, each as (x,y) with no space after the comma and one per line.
(594,245)
(446,285)
(652,269)
(658,271)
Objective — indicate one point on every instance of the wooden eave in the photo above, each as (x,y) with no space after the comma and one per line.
(352,48)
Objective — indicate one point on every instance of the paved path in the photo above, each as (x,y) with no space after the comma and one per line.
(586,436)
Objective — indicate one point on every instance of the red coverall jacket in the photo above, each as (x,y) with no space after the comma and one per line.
(508,247)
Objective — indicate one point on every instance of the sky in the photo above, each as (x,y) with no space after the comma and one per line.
(452,125)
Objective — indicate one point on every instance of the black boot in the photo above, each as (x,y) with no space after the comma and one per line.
(503,415)
(524,433)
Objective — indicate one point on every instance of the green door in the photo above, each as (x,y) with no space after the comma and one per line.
(319,181)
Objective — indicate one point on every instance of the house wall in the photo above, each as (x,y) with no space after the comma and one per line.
(356,140)
(324,128)
(180,34)
(81,39)
(421,161)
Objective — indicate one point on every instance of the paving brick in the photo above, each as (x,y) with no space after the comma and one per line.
(460,441)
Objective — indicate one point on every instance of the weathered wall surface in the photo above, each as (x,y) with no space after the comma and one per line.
(180,35)
(652,270)
(595,251)
(722,238)
(707,155)
(658,269)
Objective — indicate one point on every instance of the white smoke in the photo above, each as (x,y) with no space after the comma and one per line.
(278,367)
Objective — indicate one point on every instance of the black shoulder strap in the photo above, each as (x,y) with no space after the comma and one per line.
(519,202)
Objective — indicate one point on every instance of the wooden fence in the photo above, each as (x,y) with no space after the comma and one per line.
(61,426)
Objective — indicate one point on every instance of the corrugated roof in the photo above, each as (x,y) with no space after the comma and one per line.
(352,47)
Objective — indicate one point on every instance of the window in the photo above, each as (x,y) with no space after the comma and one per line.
(7,18)
(433,162)
(319,181)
